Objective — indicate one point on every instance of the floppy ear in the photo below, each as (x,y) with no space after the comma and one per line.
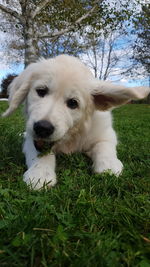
(18,90)
(107,95)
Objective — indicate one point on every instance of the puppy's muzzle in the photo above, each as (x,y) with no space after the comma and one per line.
(43,129)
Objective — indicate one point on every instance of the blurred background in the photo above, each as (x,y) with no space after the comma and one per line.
(112,37)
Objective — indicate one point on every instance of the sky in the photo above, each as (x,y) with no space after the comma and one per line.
(9,66)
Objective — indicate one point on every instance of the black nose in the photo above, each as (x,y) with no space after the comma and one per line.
(43,128)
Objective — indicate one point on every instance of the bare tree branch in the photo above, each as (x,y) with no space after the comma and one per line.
(40,6)
(109,57)
(71,27)
(23,4)
(11,12)
(102,59)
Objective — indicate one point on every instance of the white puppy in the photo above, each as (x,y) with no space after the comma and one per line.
(67,108)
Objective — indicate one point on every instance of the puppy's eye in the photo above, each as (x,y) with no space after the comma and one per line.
(72,103)
(42,91)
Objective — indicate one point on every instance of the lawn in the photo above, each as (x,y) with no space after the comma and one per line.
(87,219)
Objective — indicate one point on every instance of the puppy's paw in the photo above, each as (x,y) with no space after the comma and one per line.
(109,165)
(39,176)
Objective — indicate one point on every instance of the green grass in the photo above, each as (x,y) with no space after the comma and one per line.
(87,219)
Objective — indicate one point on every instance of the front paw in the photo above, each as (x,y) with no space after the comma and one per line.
(39,176)
(108,165)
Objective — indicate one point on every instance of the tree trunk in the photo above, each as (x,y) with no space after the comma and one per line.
(148,99)
(29,35)
(31,50)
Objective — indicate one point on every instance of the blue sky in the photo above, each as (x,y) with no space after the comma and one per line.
(17,68)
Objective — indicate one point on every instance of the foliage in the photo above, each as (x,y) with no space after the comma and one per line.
(142,44)
(5,83)
(87,219)
(57,19)
(141,48)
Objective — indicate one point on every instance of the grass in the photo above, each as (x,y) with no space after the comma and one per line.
(87,219)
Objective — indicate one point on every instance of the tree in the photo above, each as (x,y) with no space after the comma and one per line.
(141,48)
(69,43)
(142,43)
(103,55)
(39,20)
(4,85)
(32,15)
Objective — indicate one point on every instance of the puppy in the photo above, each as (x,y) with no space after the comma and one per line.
(67,108)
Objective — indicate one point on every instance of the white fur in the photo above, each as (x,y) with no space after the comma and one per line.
(87,128)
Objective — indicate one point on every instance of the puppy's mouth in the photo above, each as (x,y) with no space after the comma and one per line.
(43,145)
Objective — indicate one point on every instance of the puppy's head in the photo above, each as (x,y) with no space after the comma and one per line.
(61,95)
(56,96)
